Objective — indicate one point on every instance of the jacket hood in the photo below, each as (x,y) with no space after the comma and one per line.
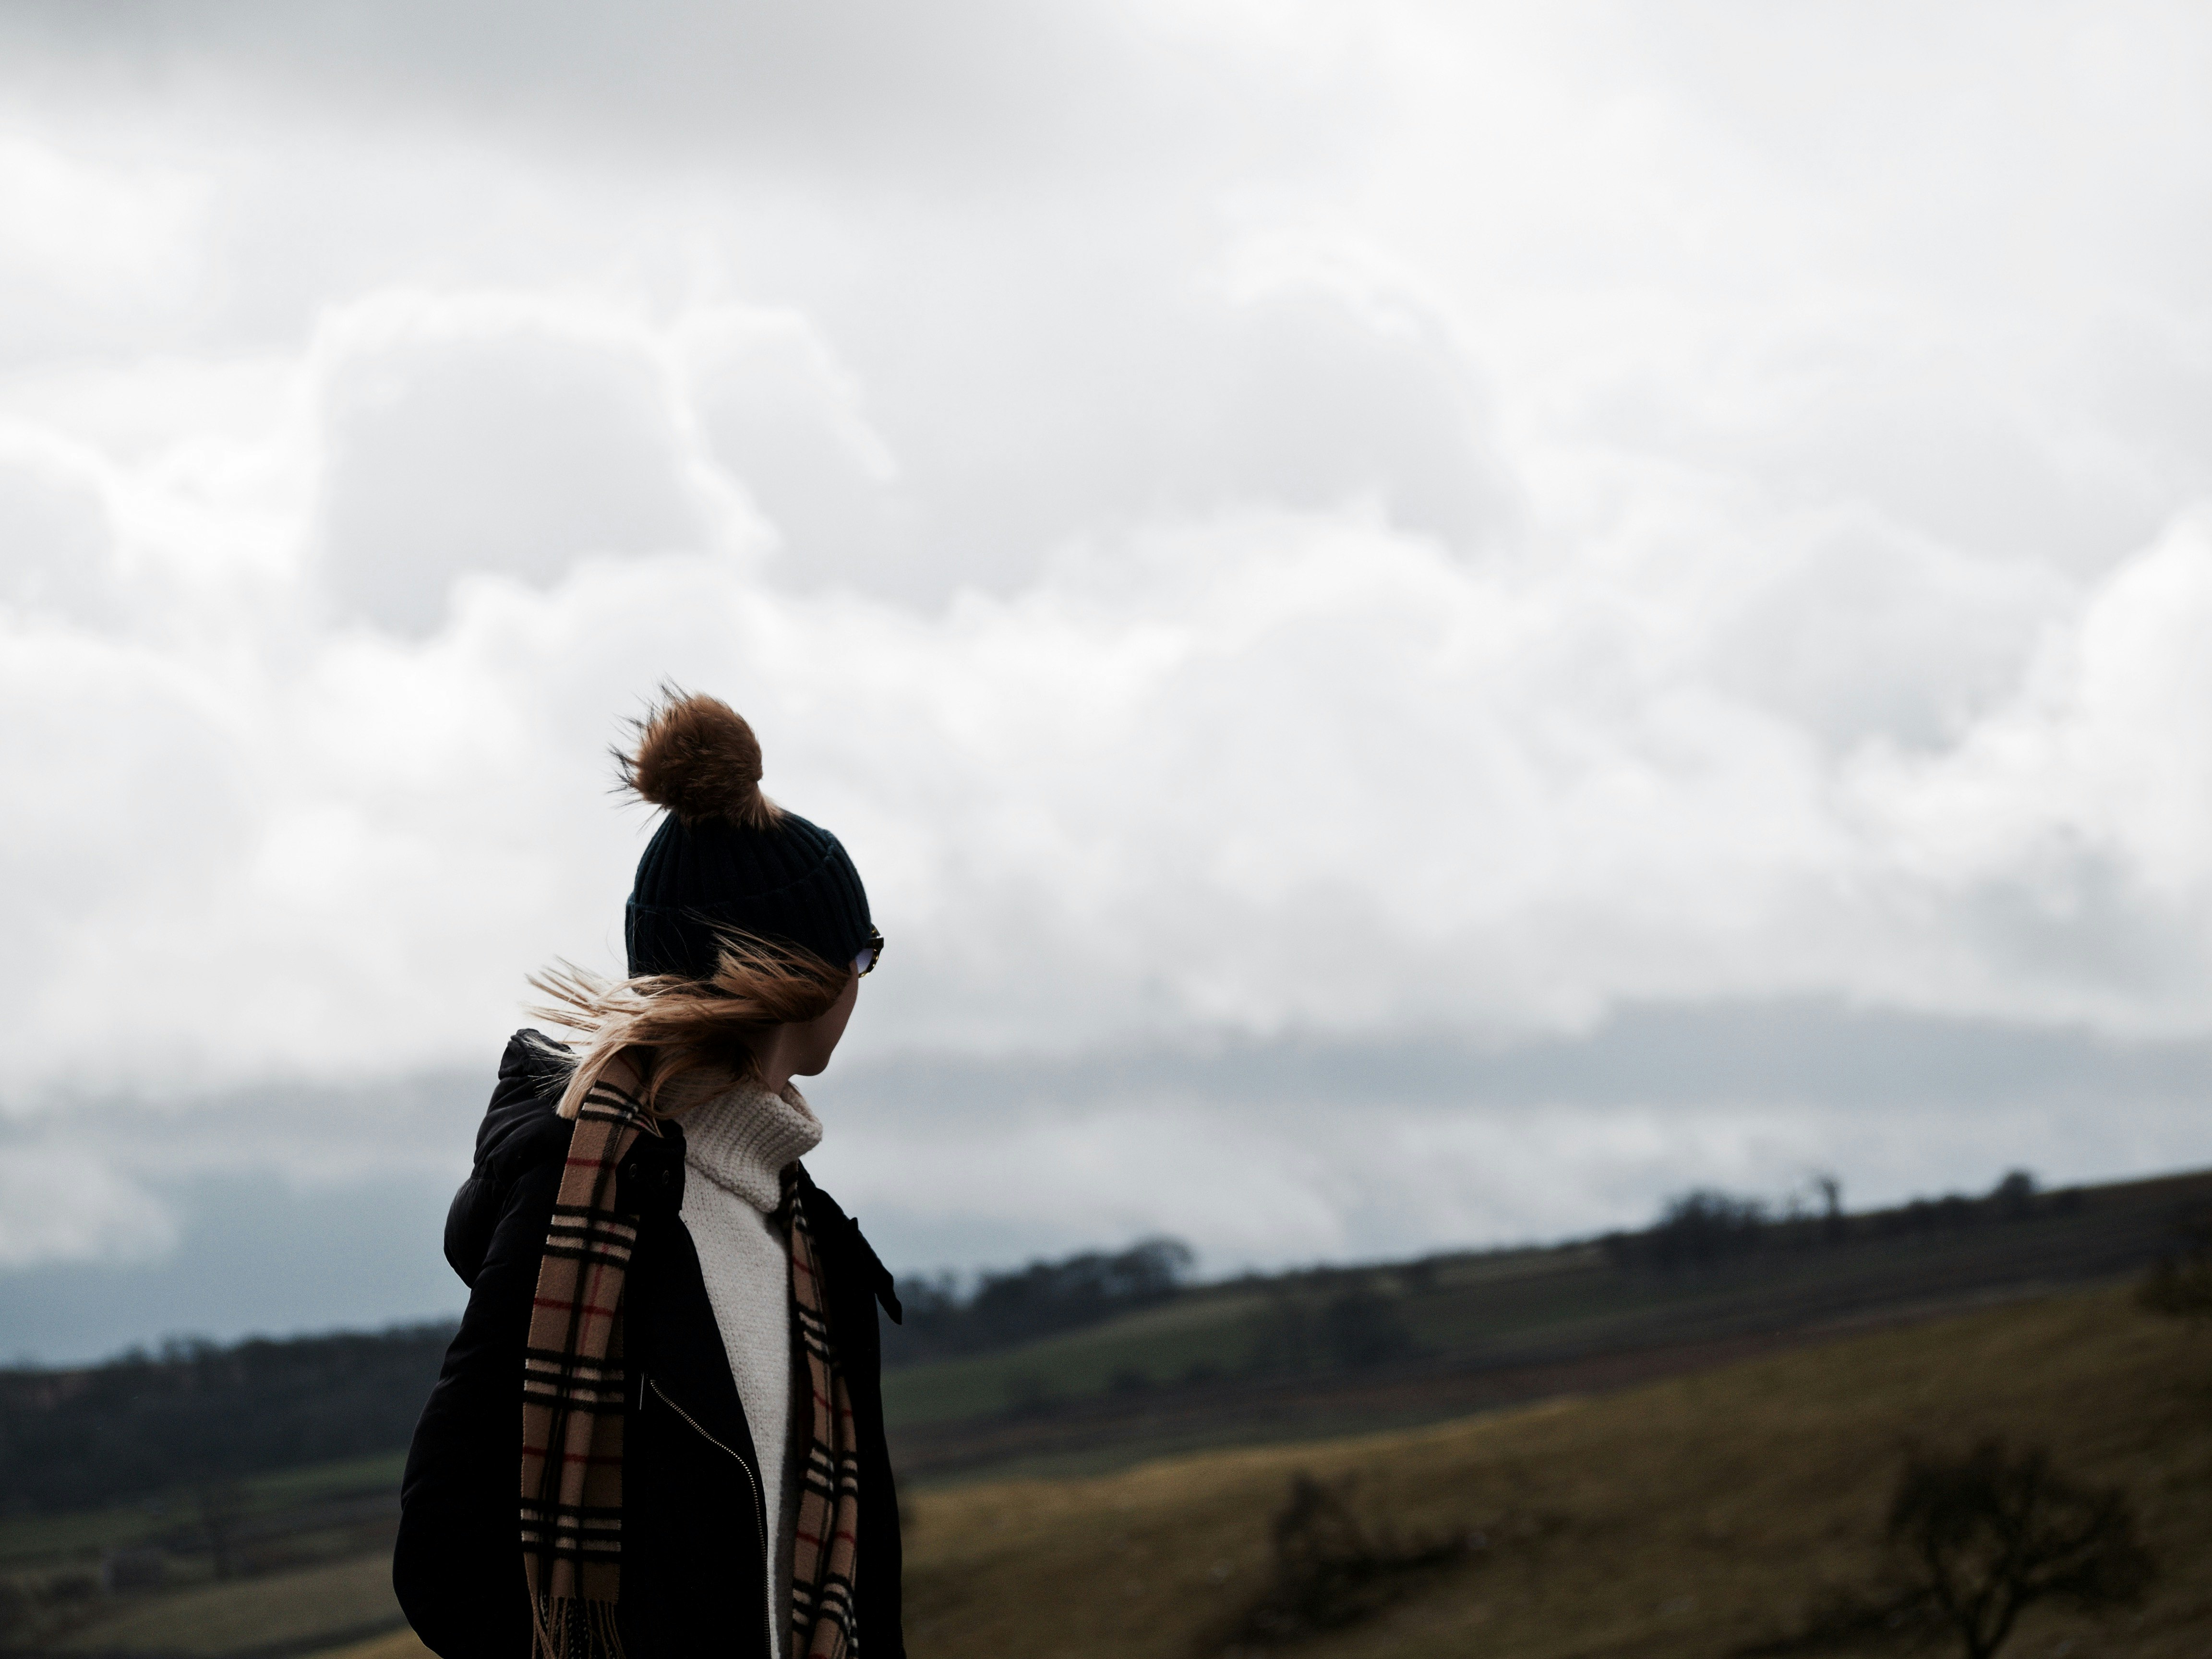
(532,1074)
(520,1130)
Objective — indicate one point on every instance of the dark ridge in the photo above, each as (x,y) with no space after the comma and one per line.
(196,1412)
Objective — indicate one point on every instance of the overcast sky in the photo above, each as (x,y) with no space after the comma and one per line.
(1427,622)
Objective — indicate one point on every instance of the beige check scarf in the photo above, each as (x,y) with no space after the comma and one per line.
(825,1541)
(572,1393)
(572,1388)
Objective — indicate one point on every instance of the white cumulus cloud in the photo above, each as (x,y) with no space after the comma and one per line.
(1254,529)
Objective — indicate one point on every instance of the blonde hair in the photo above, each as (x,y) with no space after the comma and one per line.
(670,1028)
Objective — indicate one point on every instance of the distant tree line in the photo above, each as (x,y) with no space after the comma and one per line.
(1707,1228)
(1041,1299)
(196,1412)
(1351,1325)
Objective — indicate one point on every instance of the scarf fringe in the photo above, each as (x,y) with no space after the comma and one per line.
(573,1628)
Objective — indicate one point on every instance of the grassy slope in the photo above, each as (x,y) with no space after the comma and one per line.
(1677,1519)
(1501,1307)
(1210,1327)
(29,1540)
(215,1619)
(400,1645)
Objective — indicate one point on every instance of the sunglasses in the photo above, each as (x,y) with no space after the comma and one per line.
(870,955)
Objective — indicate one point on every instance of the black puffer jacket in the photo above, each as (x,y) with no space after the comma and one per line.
(693,1582)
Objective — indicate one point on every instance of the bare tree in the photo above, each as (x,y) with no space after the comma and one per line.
(1833,1227)
(1984,1538)
(2181,1284)
(222,1507)
(1331,1572)
(1974,1542)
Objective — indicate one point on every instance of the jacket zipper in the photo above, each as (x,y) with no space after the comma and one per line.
(752,1483)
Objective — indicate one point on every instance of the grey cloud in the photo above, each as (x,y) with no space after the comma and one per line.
(992,85)
(160,806)
(507,449)
(2087,921)
(1304,1149)
(1971,475)
(1868,631)
(254,1257)
(493,443)
(1794,1052)
(1099,408)
(301,1207)
(1307,403)
(302,1132)
(56,546)
(786,419)
(2156,395)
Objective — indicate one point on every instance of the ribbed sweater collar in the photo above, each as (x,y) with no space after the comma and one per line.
(742,1137)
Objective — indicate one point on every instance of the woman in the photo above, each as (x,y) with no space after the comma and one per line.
(670,1353)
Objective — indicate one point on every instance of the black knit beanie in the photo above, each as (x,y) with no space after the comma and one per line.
(726,856)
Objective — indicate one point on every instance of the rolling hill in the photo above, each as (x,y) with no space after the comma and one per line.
(1664,1455)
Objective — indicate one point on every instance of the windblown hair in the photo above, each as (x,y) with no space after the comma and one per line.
(673,1028)
(695,756)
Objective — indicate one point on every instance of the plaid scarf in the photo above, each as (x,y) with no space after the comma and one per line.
(573,1387)
(572,1392)
(824,1542)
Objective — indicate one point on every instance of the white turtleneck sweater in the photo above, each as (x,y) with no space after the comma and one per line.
(736,1144)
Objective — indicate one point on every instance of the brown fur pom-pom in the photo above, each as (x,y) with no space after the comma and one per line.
(695,756)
